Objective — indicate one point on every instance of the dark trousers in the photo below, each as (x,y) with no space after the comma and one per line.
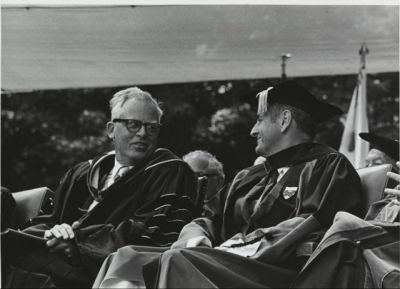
(44,269)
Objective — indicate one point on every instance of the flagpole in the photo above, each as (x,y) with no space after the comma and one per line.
(363,52)
(352,146)
(362,147)
(284,57)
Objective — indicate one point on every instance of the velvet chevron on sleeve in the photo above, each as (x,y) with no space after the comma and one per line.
(148,205)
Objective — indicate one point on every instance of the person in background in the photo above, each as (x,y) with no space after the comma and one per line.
(137,194)
(383,150)
(206,165)
(271,209)
(396,177)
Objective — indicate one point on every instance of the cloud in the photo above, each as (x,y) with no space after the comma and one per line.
(201,49)
(254,35)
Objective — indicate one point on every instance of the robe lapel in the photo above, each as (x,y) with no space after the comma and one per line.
(270,194)
(254,175)
(291,177)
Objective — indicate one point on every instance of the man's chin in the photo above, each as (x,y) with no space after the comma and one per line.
(258,151)
(137,156)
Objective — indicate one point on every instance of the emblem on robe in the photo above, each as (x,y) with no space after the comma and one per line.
(289,192)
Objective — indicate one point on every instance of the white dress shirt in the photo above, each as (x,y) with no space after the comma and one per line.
(109,179)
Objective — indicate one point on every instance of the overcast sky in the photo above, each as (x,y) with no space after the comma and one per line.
(80,47)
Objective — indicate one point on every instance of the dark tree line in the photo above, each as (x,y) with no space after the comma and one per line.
(46,132)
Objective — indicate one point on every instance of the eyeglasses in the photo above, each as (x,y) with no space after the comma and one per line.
(134,125)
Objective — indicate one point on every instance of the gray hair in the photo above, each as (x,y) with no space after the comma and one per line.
(122,96)
(213,163)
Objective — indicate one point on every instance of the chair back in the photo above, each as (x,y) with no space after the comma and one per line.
(29,204)
(202,184)
(373,182)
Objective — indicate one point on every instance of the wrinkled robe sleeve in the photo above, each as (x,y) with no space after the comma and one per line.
(209,227)
(72,178)
(329,185)
(199,228)
(156,224)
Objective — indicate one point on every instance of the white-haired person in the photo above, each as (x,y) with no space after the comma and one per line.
(138,194)
(383,150)
(204,164)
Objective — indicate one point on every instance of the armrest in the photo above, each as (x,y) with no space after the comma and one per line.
(373,181)
(29,203)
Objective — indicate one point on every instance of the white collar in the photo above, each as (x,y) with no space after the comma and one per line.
(282,171)
(117,166)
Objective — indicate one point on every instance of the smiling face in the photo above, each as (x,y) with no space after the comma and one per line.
(268,134)
(130,148)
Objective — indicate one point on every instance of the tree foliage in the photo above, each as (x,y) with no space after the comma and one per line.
(44,133)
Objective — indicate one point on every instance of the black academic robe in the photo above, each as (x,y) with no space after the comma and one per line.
(296,209)
(325,183)
(356,253)
(147,206)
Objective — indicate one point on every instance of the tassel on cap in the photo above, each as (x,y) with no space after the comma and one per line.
(293,94)
(263,100)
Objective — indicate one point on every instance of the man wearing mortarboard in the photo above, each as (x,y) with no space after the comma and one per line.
(383,150)
(272,212)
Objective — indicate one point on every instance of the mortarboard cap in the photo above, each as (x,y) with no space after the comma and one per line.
(384,144)
(293,94)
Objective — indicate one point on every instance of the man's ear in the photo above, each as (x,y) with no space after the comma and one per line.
(110,129)
(286,120)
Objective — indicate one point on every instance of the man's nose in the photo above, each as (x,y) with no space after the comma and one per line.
(142,131)
(254,131)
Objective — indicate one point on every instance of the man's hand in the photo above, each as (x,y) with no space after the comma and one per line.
(66,248)
(396,177)
(201,241)
(61,240)
(63,231)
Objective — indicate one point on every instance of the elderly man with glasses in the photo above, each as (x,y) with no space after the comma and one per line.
(138,194)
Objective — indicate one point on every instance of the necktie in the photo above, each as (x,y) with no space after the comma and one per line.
(121,171)
(106,182)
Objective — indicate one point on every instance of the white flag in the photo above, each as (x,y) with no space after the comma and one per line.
(352,146)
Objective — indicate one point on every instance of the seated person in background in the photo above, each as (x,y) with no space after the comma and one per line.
(383,150)
(137,194)
(387,209)
(270,208)
(205,164)
(396,177)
